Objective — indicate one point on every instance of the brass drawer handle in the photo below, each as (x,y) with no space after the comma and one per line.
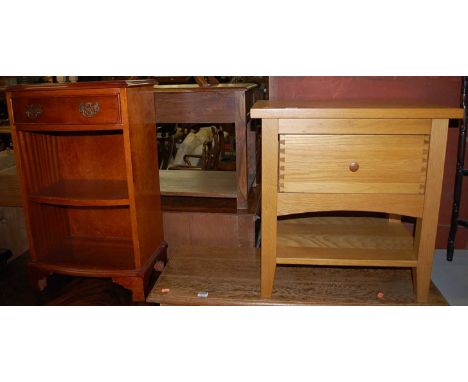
(89,109)
(33,111)
(354,166)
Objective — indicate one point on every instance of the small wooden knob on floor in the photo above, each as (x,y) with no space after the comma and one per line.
(354,166)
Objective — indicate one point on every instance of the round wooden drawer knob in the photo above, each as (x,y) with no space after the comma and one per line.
(354,166)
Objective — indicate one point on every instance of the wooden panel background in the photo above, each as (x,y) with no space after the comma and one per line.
(443,91)
(190,107)
(209,229)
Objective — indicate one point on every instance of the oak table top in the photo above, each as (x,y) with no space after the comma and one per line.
(351,109)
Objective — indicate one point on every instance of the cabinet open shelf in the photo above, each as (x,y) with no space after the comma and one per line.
(209,184)
(84,192)
(344,241)
(89,256)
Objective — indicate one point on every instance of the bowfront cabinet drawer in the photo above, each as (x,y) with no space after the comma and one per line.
(73,110)
(353,163)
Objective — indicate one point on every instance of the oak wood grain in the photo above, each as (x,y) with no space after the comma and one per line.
(346,257)
(355,126)
(269,204)
(322,163)
(214,184)
(230,276)
(348,241)
(352,109)
(426,227)
(403,204)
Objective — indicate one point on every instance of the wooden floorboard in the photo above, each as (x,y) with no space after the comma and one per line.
(232,277)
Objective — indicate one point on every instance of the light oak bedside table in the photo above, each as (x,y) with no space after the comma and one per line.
(351,156)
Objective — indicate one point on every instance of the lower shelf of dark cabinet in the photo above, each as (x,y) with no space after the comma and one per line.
(95,257)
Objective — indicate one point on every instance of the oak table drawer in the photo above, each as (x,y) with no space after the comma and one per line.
(353,163)
(83,109)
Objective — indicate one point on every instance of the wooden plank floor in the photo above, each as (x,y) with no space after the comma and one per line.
(231,276)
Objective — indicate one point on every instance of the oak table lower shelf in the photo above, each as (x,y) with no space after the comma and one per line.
(352,241)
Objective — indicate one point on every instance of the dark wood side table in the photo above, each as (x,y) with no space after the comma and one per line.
(86,156)
(222,103)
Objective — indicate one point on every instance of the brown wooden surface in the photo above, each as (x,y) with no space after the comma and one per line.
(402,204)
(189,88)
(89,256)
(352,109)
(84,193)
(231,277)
(344,241)
(269,203)
(383,163)
(214,184)
(66,110)
(89,155)
(210,221)
(73,86)
(194,107)
(210,229)
(355,126)
(242,165)
(141,158)
(211,205)
(431,90)
(426,227)
(346,257)
(191,204)
(222,103)
(76,231)
(321,231)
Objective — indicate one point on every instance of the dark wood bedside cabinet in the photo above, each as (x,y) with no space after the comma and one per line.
(87,160)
